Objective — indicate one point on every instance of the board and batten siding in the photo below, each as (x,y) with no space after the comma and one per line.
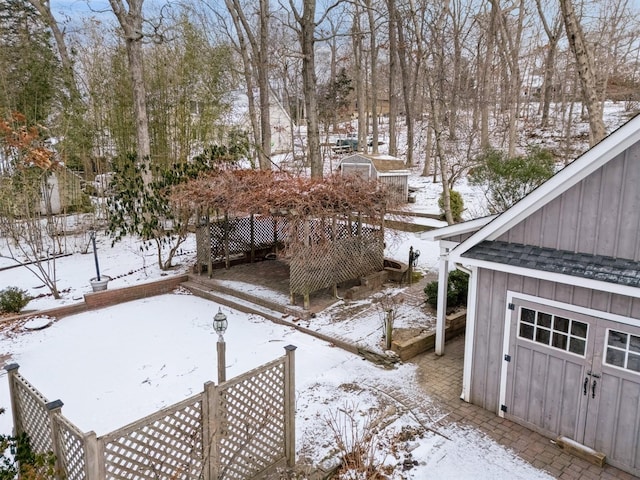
(491,304)
(598,216)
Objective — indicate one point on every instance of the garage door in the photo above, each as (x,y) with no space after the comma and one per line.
(577,376)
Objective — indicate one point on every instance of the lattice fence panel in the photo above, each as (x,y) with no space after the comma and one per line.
(33,417)
(167,444)
(317,267)
(252,416)
(267,231)
(70,448)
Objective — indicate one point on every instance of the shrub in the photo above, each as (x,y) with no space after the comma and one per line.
(507,180)
(13,299)
(18,460)
(457,205)
(458,285)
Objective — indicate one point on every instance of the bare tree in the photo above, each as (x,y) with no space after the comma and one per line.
(306,35)
(256,63)
(130,20)
(553,34)
(586,71)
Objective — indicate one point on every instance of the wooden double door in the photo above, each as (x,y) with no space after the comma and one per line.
(575,375)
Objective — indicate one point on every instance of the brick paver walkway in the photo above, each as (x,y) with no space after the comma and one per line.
(441,379)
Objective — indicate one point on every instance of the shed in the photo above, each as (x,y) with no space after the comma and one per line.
(553,322)
(62,191)
(388,170)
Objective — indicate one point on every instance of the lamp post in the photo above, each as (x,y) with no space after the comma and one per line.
(220,326)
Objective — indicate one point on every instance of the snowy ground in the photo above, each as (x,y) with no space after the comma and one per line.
(115,365)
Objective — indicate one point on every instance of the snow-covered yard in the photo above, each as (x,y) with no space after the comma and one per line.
(115,365)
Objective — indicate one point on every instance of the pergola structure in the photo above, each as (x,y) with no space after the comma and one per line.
(329,230)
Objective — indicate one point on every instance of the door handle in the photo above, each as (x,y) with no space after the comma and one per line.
(593,389)
(586,382)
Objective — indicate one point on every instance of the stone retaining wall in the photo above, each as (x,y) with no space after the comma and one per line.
(406,349)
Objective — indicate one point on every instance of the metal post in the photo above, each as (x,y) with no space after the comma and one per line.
(222,362)
(95,254)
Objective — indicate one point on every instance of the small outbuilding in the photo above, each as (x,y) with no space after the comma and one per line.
(553,319)
(389,171)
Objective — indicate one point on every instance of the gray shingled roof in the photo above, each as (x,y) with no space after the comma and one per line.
(595,267)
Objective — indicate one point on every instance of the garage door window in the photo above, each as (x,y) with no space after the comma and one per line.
(623,350)
(554,331)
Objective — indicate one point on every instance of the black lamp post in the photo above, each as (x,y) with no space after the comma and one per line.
(220,326)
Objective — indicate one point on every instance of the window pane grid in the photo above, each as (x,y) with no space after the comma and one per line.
(554,331)
(622,350)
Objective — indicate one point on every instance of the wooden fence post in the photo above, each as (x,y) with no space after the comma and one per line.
(210,424)
(12,371)
(53,409)
(93,457)
(290,406)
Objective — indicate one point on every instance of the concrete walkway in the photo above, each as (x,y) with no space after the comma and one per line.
(441,379)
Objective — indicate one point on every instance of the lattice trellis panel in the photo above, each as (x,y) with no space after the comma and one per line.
(33,417)
(266,232)
(317,267)
(252,422)
(70,448)
(167,444)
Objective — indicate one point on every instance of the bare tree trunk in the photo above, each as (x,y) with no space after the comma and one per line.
(510,46)
(260,67)
(373,55)
(487,65)
(393,75)
(247,71)
(263,85)
(131,23)
(406,92)
(586,71)
(44,9)
(553,34)
(306,35)
(360,87)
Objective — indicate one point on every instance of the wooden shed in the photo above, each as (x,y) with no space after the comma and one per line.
(388,170)
(553,324)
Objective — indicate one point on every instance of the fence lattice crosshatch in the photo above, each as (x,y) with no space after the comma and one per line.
(238,430)
(320,252)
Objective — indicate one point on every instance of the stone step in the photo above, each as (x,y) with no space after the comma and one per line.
(214,285)
(232,301)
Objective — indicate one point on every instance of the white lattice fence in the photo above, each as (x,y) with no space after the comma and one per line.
(237,430)
(70,447)
(319,266)
(167,444)
(30,412)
